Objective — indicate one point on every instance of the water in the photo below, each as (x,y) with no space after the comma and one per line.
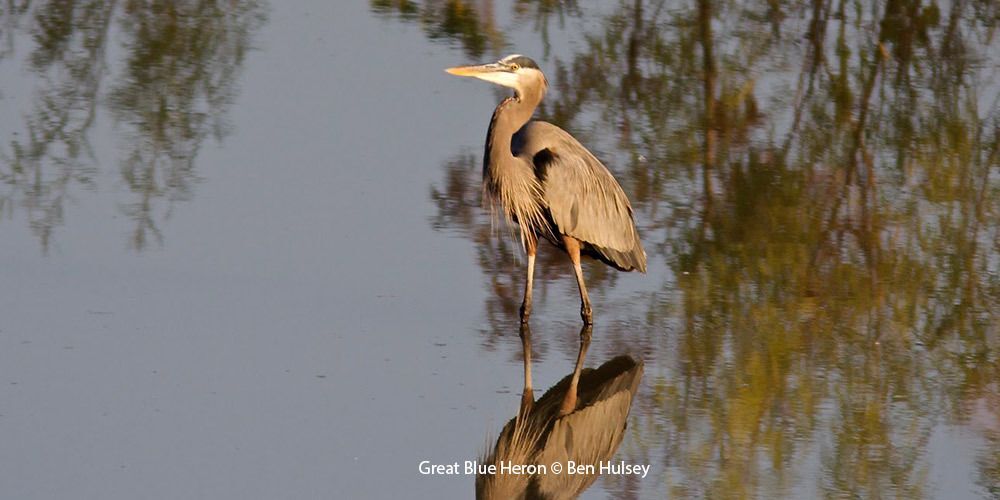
(244,256)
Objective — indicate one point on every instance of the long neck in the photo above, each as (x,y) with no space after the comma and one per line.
(510,184)
(512,113)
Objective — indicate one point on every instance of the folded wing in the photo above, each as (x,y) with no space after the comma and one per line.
(584,199)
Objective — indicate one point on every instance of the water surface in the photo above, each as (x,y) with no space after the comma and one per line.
(244,254)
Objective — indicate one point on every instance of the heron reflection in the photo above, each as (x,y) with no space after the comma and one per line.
(544,432)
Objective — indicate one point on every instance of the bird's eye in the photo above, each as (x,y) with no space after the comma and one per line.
(514,67)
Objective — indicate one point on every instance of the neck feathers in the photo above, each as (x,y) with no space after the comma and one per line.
(509,182)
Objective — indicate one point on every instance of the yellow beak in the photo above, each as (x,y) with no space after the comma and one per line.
(475,70)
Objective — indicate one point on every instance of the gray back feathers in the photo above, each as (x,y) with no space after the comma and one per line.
(582,197)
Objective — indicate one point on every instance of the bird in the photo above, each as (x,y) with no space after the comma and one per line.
(540,177)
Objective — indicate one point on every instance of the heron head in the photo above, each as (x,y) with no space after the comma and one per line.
(514,71)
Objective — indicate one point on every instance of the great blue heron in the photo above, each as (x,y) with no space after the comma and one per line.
(543,179)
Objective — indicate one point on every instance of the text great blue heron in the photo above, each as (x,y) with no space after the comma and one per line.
(549,184)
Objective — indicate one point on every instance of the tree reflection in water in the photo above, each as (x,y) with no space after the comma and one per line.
(177,78)
(821,179)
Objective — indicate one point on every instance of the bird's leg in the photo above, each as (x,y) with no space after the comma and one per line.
(530,246)
(569,400)
(573,249)
(528,395)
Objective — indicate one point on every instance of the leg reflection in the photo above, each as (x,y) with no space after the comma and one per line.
(569,401)
(527,395)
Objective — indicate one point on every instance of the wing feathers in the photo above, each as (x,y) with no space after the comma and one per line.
(583,198)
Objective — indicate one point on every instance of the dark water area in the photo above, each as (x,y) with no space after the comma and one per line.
(245,257)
